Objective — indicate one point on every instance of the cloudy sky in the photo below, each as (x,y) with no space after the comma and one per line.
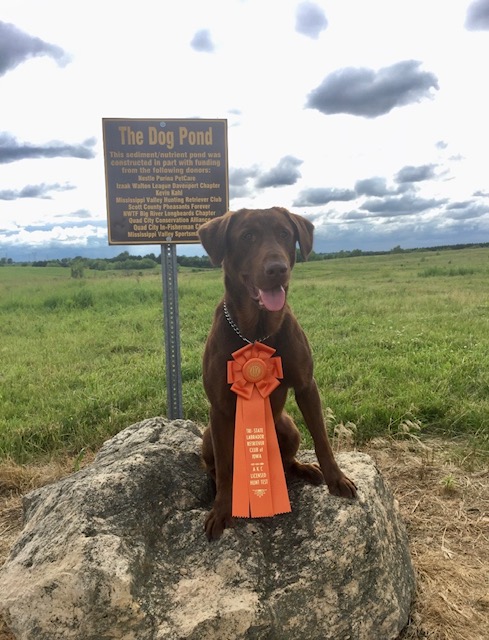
(369,117)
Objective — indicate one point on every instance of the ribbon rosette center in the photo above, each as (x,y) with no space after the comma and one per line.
(259,486)
(254,370)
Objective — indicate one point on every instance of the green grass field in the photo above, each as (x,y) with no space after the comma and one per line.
(395,337)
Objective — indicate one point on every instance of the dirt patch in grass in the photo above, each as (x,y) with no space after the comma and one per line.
(446,512)
(445,508)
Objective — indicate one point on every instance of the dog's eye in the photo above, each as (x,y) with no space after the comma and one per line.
(284,233)
(248,236)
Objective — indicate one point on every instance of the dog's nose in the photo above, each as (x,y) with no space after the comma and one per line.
(274,269)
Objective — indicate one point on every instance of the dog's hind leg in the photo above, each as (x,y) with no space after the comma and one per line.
(289,440)
(208,454)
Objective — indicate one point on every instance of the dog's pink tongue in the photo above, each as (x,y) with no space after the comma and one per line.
(273,299)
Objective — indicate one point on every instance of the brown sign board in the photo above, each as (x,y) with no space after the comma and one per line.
(164,178)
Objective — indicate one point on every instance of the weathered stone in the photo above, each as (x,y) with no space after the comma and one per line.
(118,550)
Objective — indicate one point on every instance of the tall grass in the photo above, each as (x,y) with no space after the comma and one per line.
(83,358)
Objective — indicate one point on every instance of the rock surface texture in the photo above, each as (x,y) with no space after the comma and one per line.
(117,550)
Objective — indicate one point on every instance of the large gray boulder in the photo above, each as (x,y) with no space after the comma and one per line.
(118,550)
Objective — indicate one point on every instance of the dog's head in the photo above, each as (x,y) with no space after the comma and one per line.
(257,250)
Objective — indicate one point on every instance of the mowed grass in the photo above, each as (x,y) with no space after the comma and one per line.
(395,337)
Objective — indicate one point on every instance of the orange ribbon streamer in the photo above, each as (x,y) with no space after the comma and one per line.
(259,486)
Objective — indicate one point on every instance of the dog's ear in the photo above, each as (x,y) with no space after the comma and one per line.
(212,234)
(304,232)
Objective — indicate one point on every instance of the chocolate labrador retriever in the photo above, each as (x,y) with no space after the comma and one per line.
(257,249)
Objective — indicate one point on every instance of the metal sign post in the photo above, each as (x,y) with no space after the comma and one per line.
(169,275)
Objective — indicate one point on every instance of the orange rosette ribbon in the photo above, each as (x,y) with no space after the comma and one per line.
(259,486)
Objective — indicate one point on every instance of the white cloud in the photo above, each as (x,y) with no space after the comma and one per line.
(310,19)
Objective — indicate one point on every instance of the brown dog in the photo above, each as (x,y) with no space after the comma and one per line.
(257,251)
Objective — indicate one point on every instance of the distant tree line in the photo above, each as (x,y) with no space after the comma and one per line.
(126,261)
(355,253)
(123,261)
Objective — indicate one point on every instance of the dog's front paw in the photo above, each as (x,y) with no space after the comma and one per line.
(343,487)
(308,472)
(216,522)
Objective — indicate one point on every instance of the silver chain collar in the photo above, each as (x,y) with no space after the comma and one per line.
(235,327)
